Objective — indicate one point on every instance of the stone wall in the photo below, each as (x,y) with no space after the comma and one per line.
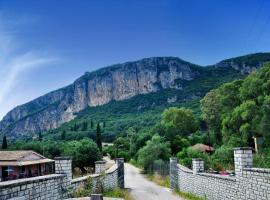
(41,187)
(248,183)
(107,180)
(111,178)
(59,185)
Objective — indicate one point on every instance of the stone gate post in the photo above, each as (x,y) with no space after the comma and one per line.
(63,165)
(173,173)
(197,165)
(120,172)
(100,167)
(242,159)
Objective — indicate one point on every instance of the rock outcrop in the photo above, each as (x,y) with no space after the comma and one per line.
(117,82)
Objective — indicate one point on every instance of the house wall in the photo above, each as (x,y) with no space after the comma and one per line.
(33,168)
(60,185)
(248,183)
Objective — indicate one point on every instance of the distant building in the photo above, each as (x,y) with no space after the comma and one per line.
(203,148)
(23,164)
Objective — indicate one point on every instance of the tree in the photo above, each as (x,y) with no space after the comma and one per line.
(155,149)
(63,135)
(4,143)
(177,121)
(76,127)
(39,136)
(242,122)
(104,124)
(84,126)
(91,124)
(98,137)
(211,112)
(121,145)
(131,136)
(265,121)
(84,153)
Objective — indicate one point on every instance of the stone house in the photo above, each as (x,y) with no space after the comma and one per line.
(23,164)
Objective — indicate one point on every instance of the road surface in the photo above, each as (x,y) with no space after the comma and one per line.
(143,189)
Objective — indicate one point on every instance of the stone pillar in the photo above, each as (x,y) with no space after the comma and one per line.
(173,174)
(242,159)
(197,165)
(0,173)
(100,167)
(120,172)
(96,197)
(63,166)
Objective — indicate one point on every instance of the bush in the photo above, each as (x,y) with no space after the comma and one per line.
(84,153)
(262,159)
(185,157)
(124,154)
(155,149)
(222,158)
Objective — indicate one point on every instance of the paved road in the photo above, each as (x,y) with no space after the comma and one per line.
(143,189)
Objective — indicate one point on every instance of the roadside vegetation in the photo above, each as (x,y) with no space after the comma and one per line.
(189,196)
(231,116)
(118,193)
(163,181)
(226,117)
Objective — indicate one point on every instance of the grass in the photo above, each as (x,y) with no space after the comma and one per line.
(134,163)
(163,181)
(118,193)
(189,196)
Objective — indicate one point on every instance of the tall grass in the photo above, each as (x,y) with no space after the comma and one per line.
(163,181)
(118,193)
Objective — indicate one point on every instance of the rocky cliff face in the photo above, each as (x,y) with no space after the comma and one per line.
(246,64)
(117,82)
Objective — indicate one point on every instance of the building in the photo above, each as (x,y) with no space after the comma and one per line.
(23,164)
(203,148)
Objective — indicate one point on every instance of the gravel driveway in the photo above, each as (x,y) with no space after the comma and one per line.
(143,189)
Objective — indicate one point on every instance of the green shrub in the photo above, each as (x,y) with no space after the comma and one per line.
(262,160)
(189,196)
(222,158)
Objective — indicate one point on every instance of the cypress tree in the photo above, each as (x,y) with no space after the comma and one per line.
(84,126)
(98,137)
(91,124)
(39,136)
(75,127)
(63,135)
(4,143)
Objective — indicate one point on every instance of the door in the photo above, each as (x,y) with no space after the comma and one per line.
(5,173)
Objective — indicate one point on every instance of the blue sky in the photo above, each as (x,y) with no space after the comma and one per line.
(47,44)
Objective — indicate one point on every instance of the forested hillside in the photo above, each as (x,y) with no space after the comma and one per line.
(226,117)
(142,112)
(132,89)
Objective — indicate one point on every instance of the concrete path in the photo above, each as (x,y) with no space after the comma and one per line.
(143,189)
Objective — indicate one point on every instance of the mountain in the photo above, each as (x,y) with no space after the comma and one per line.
(167,80)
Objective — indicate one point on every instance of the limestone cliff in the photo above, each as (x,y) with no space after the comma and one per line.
(246,64)
(117,82)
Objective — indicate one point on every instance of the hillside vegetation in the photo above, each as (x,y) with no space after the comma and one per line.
(143,111)
(222,108)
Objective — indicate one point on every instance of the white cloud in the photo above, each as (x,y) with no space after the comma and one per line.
(15,66)
(15,61)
